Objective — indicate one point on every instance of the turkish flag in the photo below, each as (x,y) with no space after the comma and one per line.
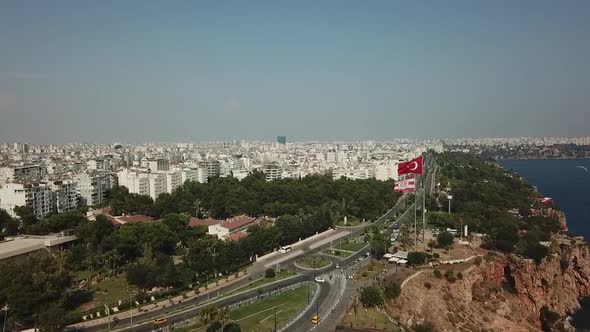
(413,166)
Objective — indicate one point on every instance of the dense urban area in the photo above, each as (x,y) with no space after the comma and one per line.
(213,236)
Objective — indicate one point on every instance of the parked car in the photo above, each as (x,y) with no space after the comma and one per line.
(320,279)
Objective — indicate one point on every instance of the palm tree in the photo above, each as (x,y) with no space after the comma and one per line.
(208,315)
(223,315)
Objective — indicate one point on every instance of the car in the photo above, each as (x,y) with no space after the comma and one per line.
(337,265)
(368,253)
(160,321)
(319,279)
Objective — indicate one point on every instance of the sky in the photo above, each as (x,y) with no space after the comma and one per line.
(189,71)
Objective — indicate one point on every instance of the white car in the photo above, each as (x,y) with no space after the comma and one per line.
(320,279)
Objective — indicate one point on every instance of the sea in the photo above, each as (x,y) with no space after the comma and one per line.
(568,183)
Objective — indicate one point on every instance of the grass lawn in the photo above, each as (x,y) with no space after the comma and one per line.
(311,262)
(368,318)
(352,221)
(262,281)
(259,316)
(353,246)
(371,270)
(111,290)
(338,253)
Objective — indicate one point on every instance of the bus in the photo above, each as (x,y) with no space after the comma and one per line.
(285,249)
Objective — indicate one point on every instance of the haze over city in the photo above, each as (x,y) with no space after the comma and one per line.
(137,71)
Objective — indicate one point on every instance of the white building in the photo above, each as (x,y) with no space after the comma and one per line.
(194,174)
(65,196)
(20,174)
(137,182)
(272,172)
(158,165)
(39,197)
(386,171)
(93,188)
(157,183)
(212,168)
(173,180)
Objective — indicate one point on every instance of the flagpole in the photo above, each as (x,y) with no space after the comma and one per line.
(424,175)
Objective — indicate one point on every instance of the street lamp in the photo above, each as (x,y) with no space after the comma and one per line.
(5,318)
(131,303)
(108,316)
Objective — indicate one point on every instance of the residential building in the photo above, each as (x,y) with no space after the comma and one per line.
(38,197)
(66,196)
(21,174)
(173,180)
(272,171)
(158,165)
(93,188)
(157,182)
(212,168)
(137,182)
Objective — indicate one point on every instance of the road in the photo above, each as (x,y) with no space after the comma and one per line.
(332,293)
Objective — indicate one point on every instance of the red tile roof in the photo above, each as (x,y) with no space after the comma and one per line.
(134,219)
(236,236)
(236,222)
(194,222)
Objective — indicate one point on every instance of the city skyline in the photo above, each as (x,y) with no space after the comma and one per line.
(140,71)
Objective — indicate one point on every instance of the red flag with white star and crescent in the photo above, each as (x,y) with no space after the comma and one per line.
(413,166)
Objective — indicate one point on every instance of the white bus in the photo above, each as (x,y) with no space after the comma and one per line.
(285,249)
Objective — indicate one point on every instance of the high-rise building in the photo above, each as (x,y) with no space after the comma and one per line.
(93,188)
(21,174)
(282,139)
(211,168)
(158,165)
(65,196)
(38,197)
(272,171)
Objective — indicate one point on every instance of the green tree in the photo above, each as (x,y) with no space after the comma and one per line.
(445,239)
(370,296)
(269,273)
(5,220)
(392,290)
(417,258)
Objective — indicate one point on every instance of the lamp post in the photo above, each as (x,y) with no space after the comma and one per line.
(131,304)
(108,316)
(5,318)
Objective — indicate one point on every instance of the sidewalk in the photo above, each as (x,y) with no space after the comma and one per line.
(164,303)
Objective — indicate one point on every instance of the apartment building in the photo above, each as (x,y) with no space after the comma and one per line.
(157,184)
(21,174)
(38,196)
(212,168)
(66,196)
(93,187)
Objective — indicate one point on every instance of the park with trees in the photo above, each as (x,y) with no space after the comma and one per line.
(167,253)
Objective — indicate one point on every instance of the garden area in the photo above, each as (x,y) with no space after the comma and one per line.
(313,262)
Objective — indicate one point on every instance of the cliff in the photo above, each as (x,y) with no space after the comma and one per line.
(501,294)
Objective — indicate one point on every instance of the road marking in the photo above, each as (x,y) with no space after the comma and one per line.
(270,316)
(254,314)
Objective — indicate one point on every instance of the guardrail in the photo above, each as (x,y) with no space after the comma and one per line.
(252,300)
(315,297)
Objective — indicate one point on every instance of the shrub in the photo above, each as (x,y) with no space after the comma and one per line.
(444,239)
(437,274)
(371,296)
(450,276)
(269,273)
(427,285)
(436,255)
(417,258)
(536,251)
(392,291)
(477,261)
(459,275)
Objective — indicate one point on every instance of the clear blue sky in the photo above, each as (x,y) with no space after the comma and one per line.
(133,71)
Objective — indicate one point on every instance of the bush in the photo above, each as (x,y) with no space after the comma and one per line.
(450,276)
(444,239)
(459,275)
(477,261)
(371,296)
(427,285)
(392,291)
(417,258)
(437,274)
(436,255)
(536,251)
(269,273)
